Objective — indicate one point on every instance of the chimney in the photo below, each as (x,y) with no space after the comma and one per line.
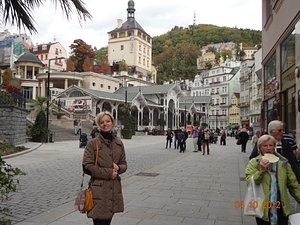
(119,22)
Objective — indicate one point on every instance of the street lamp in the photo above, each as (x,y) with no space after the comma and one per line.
(48,93)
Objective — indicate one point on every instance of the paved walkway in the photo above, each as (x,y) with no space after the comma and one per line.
(188,190)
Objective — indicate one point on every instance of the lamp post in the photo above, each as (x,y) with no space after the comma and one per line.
(184,115)
(48,94)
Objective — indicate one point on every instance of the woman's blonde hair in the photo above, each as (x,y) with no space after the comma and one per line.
(100,116)
(264,138)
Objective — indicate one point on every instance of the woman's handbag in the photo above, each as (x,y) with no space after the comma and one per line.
(253,205)
(84,198)
(239,142)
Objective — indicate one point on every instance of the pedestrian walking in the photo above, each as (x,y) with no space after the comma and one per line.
(105,181)
(195,135)
(223,137)
(75,126)
(255,138)
(79,127)
(243,137)
(199,143)
(176,144)
(205,141)
(169,138)
(181,140)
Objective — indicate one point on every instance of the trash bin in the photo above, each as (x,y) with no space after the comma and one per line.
(51,136)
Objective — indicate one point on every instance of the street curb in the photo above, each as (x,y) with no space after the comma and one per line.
(21,153)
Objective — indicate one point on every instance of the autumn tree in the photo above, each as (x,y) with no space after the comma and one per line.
(81,51)
(87,65)
(7,76)
(70,65)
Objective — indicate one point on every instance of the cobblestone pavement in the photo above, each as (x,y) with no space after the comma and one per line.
(53,172)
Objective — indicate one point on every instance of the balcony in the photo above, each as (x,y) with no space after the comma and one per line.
(222,104)
(244,78)
(223,93)
(254,112)
(243,104)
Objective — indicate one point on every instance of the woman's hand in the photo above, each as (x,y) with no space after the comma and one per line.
(116,167)
(264,164)
(115,171)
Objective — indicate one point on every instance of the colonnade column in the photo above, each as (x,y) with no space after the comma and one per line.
(43,89)
(25,72)
(66,83)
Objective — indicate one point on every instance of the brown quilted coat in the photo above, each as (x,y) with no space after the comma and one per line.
(107,193)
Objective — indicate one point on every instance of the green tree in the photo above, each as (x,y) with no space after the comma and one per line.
(101,55)
(123,66)
(81,51)
(20,12)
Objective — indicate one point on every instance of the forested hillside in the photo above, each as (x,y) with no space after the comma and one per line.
(175,53)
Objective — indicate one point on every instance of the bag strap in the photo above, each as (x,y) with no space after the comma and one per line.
(96,161)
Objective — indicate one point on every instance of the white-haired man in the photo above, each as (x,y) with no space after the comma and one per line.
(275,129)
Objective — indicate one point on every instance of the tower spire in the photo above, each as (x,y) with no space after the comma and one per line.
(194,20)
(130,9)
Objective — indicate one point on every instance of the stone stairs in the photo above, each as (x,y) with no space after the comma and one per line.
(64,131)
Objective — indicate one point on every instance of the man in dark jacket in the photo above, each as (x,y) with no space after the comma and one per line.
(275,129)
(243,136)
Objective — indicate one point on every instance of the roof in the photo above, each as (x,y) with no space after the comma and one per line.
(103,94)
(29,57)
(129,24)
(195,99)
(155,89)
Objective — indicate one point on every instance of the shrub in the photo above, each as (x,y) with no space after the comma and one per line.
(39,131)
(7,184)
(5,98)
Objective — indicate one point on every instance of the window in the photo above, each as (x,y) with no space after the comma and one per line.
(270,69)
(101,85)
(108,87)
(122,47)
(27,92)
(93,84)
(288,52)
(224,78)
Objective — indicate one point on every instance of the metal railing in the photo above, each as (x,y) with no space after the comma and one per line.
(12,99)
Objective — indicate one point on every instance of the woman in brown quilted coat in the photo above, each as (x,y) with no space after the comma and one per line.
(105,179)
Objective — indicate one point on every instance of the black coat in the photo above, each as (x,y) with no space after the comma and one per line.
(286,153)
(243,136)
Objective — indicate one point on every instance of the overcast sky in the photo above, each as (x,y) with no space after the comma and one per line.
(155,16)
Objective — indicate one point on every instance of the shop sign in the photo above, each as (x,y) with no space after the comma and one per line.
(288,78)
(270,90)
